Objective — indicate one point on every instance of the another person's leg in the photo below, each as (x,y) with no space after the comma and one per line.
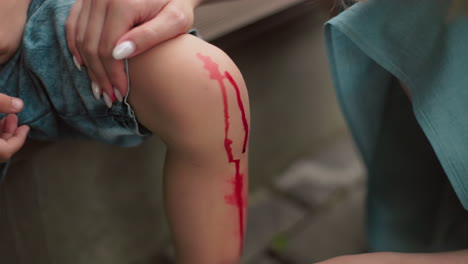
(193,96)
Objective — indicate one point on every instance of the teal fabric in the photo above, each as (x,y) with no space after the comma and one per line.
(412,148)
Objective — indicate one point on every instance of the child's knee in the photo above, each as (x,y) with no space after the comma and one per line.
(191,94)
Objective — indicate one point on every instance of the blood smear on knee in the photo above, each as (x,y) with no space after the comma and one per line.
(237,197)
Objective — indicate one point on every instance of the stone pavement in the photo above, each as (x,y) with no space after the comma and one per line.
(311,212)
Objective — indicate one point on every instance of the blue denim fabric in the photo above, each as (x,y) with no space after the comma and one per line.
(58,100)
(370,45)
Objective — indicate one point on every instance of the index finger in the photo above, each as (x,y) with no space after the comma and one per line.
(120,21)
(71,26)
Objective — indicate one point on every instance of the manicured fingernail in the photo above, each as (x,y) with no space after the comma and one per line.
(107,99)
(77,64)
(123,50)
(96,90)
(16,104)
(118,95)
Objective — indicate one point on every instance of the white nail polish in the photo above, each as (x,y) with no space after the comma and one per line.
(107,99)
(96,90)
(118,95)
(123,50)
(77,64)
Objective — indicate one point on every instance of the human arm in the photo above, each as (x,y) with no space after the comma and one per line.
(102,32)
(12,21)
(456,257)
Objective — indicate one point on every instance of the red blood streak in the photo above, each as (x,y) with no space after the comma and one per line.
(237,198)
(241,107)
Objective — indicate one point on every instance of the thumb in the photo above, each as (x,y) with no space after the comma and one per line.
(10,105)
(165,26)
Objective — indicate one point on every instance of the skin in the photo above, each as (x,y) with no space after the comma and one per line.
(12,137)
(95,27)
(459,257)
(12,21)
(13,16)
(194,166)
(173,95)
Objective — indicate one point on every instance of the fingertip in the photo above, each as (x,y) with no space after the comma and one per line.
(16,104)
(118,95)
(77,63)
(110,94)
(96,90)
(124,50)
(107,99)
(17,140)
(72,48)
(26,128)
(120,82)
(22,132)
(76,57)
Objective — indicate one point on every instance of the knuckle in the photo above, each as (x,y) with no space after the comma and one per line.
(148,32)
(79,42)
(177,15)
(185,23)
(90,51)
(104,53)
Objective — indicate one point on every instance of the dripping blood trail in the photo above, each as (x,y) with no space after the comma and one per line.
(236,198)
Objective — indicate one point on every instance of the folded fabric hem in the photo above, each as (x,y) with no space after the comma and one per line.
(437,142)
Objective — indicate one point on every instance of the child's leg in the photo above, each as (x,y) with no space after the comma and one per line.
(202,113)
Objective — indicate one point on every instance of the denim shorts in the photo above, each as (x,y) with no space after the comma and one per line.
(58,101)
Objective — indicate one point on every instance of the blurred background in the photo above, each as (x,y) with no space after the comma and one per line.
(86,202)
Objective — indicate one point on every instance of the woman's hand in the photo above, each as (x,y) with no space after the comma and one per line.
(12,137)
(12,22)
(100,33)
